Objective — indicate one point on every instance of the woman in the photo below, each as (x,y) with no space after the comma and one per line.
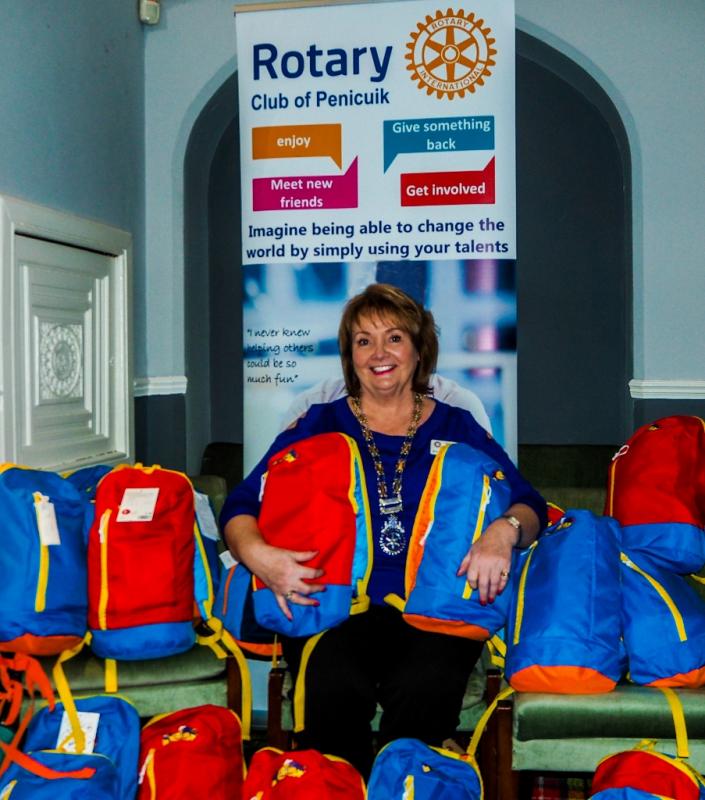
(389,347)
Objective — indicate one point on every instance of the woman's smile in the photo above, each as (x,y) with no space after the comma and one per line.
(384,356)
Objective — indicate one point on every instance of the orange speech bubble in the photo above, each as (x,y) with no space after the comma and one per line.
(298,141)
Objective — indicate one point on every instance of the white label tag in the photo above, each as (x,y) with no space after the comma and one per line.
(46,521)
(137,505)
(436,445)
(262,482)
(206,518)
(88,720)
(227,559)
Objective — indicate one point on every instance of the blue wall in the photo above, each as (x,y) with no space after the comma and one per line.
(72,124)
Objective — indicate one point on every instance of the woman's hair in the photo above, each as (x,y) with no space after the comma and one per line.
(387,302)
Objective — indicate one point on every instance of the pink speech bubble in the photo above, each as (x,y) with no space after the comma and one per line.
(306,192)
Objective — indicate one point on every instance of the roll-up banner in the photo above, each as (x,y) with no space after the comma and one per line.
(377,144)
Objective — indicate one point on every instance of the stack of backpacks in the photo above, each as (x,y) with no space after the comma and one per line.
(121,558)
(117,557)
(626,577)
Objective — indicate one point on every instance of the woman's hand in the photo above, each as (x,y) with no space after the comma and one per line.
(286,574)
(283,571)
(489,560)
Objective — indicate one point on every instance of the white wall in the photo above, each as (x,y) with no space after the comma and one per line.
(649,57)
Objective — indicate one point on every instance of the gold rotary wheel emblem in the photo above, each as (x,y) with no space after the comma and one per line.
(450,53)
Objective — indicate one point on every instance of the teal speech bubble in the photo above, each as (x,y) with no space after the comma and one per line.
(436,135)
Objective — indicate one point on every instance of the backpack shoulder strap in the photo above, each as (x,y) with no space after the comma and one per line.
(484,719)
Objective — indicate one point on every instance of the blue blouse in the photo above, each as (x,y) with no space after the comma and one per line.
(446,423)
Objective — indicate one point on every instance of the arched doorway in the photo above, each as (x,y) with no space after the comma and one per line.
(574,261)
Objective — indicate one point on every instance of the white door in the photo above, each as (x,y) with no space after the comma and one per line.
(66,386)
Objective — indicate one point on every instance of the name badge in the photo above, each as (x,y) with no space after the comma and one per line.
(436,445)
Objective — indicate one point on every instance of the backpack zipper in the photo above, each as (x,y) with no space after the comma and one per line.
(147,771)
(519,618)
(43,575)
(663,594)
(103,598)
(479,522)
(613,468)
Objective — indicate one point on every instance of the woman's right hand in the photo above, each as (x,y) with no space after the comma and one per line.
(286,574)
(283,571)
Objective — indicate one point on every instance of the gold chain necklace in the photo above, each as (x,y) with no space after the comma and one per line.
(392,538)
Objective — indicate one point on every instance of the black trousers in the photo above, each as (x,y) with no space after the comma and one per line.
(418,678)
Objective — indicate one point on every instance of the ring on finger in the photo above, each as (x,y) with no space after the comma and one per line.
(504,574)
(289,595)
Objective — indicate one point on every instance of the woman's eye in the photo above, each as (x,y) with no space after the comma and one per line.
(395,338)
(361,342)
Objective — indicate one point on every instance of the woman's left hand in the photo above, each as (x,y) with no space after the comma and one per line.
(489,560)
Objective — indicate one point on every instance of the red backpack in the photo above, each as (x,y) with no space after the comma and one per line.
(141,551)
(644,769)
(314,498)
(656,491)
(301,775)
(195,752)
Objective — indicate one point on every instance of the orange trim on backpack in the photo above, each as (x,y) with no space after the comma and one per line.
(572,680)
(40,645)
(226,590)
(424,521)
(258,649)
(454,627)
(694,679)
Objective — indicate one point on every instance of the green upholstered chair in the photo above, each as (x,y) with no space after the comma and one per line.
(160,685)
(536,733)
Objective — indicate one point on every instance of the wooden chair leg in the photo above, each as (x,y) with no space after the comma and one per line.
(487,754)
(276,735)
(507,778)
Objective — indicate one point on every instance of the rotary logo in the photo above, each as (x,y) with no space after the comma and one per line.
(450,53)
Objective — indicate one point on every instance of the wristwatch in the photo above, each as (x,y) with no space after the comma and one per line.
(514,522)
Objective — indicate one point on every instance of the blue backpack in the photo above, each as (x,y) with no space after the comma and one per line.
(564,632)
(51,775)
(86,479)
(408,768)
(117,734)
(43,561)
(464,492)
(663,619)
(234,607)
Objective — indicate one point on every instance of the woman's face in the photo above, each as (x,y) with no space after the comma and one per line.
(383,356)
